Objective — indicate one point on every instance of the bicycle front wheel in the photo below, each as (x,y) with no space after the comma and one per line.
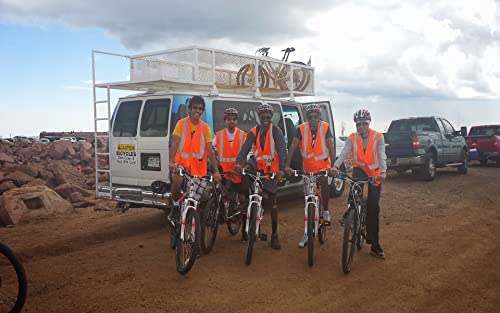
(234,221)
(186,250)
(13,283)
(209,225)
(349,241)
(362,226)
(310,235)
(252,228)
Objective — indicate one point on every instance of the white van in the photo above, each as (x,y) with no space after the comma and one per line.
(141,124)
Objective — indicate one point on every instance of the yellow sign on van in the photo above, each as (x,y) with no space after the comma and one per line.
(126,147)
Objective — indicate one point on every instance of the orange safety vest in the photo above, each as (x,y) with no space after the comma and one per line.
(228,153)
(267,160)
(314,159)
(192,154)
(368,160)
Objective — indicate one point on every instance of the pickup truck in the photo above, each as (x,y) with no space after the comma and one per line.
(484,141)
(423,144)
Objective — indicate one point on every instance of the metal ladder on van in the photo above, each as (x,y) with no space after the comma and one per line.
(97,134)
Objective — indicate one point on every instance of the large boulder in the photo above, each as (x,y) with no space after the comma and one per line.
(19,178)
(86,146)
(85,156)
(65,190)
(4,157)
(65,173)
(36,182)
(57,150)
(21,204)
(27,169)
(6,186)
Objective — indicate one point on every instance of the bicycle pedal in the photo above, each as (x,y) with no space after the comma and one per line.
(263,237)
(327,223)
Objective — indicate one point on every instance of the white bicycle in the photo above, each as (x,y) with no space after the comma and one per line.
(255,211)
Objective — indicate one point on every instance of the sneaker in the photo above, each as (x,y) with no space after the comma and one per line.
(275,242)
(303,242)
(326,217)
(377,252)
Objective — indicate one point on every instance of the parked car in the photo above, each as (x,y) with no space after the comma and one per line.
(81,139)
(484,143)
(72,139)
(22,139)
(423,144)
(45,140)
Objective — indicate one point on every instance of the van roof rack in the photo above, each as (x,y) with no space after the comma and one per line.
(207,70)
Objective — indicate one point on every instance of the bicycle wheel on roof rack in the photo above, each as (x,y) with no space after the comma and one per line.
(245,76)
(301,77)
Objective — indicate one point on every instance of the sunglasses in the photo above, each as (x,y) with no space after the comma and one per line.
(198,108)
(231,118)
(265,117)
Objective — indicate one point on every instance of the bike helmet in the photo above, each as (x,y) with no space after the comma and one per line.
(313,107)
(362,116)
(230,111)
(264,107)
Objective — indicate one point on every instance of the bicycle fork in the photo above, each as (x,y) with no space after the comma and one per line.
(190,204)
(314,200)
(254,199)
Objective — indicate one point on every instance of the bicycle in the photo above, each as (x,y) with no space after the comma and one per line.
(186,231)
(212,215)
(13,283)
(255,211)
(277,74)
(313,212)
(354,220)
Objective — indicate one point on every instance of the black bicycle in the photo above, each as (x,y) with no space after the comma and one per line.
(222,206)
(354,220)
(13,283)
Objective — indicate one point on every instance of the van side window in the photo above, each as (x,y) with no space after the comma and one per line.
(154,121)
(247,114)
(126,120)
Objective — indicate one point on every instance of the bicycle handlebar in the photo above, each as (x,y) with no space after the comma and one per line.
(259,174)
(183,172)
(343,175)
(323,173)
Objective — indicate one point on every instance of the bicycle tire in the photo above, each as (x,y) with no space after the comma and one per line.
(234,224)
(209,221)
(306,77)
(21,278)
(244,71)
(362,226)
(173,236)
(310,235)
(349,241)
(322,225)
(192,243)
(251,232)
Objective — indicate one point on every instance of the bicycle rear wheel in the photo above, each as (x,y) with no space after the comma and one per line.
(244,77)
(251,232)
(13,283)
(209,225)
(186,251)
(234,223)
(349,241)
(310,235)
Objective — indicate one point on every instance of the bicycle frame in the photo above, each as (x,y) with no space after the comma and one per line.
(190,201)
(311,198)
(255,198)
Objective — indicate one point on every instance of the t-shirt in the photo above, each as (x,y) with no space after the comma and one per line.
(298,135)
(230,137)
(178,131)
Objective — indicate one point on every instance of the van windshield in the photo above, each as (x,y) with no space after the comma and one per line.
(247,114)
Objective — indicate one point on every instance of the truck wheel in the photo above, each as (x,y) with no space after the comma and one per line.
(428,170)
(401,170)
(462,169)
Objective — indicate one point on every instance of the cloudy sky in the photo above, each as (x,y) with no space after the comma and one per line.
(395,58)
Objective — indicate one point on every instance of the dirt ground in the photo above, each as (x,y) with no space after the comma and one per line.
(441,240)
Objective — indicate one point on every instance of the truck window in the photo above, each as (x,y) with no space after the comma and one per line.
(247,114)
(485,131)
(154,121)
(126,120)
(414,124)
(447,126)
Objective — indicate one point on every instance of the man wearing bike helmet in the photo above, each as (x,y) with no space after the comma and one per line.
(191,145)
(368,151)
(228,143)
(314,139)
(268,156)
